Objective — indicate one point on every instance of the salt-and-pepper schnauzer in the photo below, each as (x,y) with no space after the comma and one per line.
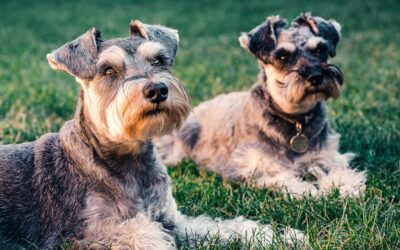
(276,135)
(99,182)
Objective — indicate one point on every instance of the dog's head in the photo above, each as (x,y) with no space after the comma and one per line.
(129,91)
(295,60)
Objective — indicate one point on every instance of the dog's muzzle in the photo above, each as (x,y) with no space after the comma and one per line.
(326,79)
(313,75)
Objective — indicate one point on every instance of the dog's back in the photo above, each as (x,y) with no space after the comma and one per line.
(16,171)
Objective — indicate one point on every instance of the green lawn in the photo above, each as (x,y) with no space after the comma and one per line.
(35,100)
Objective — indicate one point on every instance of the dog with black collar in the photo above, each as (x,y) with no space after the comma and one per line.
(277,134)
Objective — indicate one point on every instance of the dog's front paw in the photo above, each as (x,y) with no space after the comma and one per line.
(293,237)
(350,182)
(289,183)
(301,188)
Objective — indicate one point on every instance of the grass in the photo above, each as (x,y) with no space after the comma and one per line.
(35,100)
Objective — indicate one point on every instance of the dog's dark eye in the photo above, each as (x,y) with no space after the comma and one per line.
(73,45)
(157,60)
(109,71)
(282,55)
(106,70)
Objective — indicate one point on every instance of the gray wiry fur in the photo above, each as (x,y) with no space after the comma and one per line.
(99,182)
(246,135)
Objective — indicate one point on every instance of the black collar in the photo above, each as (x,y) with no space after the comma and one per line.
(310,124)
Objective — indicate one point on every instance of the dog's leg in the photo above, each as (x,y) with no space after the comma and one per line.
(254,165)
(349,182)
(286,181)
(332,170)
(136,234)
(205,228)
(247,231)
(201,227)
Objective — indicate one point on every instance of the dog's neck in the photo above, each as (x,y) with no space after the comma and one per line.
(85,145)
(314,122)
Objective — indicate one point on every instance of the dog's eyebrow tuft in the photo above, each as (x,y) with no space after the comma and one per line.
(313,42)
(290,47)
(150,49)
(112,55)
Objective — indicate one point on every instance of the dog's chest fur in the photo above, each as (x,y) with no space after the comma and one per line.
(141,191)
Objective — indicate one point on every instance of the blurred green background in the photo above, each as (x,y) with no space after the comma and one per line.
(35,100)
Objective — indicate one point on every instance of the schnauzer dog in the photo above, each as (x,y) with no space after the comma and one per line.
(276,135)
(99,182)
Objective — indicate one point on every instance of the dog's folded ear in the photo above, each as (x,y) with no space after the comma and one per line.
(137,28)
(327,29)
(263,39)
(79,56)
(158,33)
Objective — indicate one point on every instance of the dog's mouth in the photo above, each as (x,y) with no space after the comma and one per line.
(328,87)
(315,90)
(153,112)
(280,83)
(325,89)
(53,62)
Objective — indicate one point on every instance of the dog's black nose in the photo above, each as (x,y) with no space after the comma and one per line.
(312,74)
(305,71)
(316,78)
(155,92)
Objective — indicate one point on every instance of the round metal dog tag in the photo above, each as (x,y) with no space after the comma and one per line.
(299,143)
